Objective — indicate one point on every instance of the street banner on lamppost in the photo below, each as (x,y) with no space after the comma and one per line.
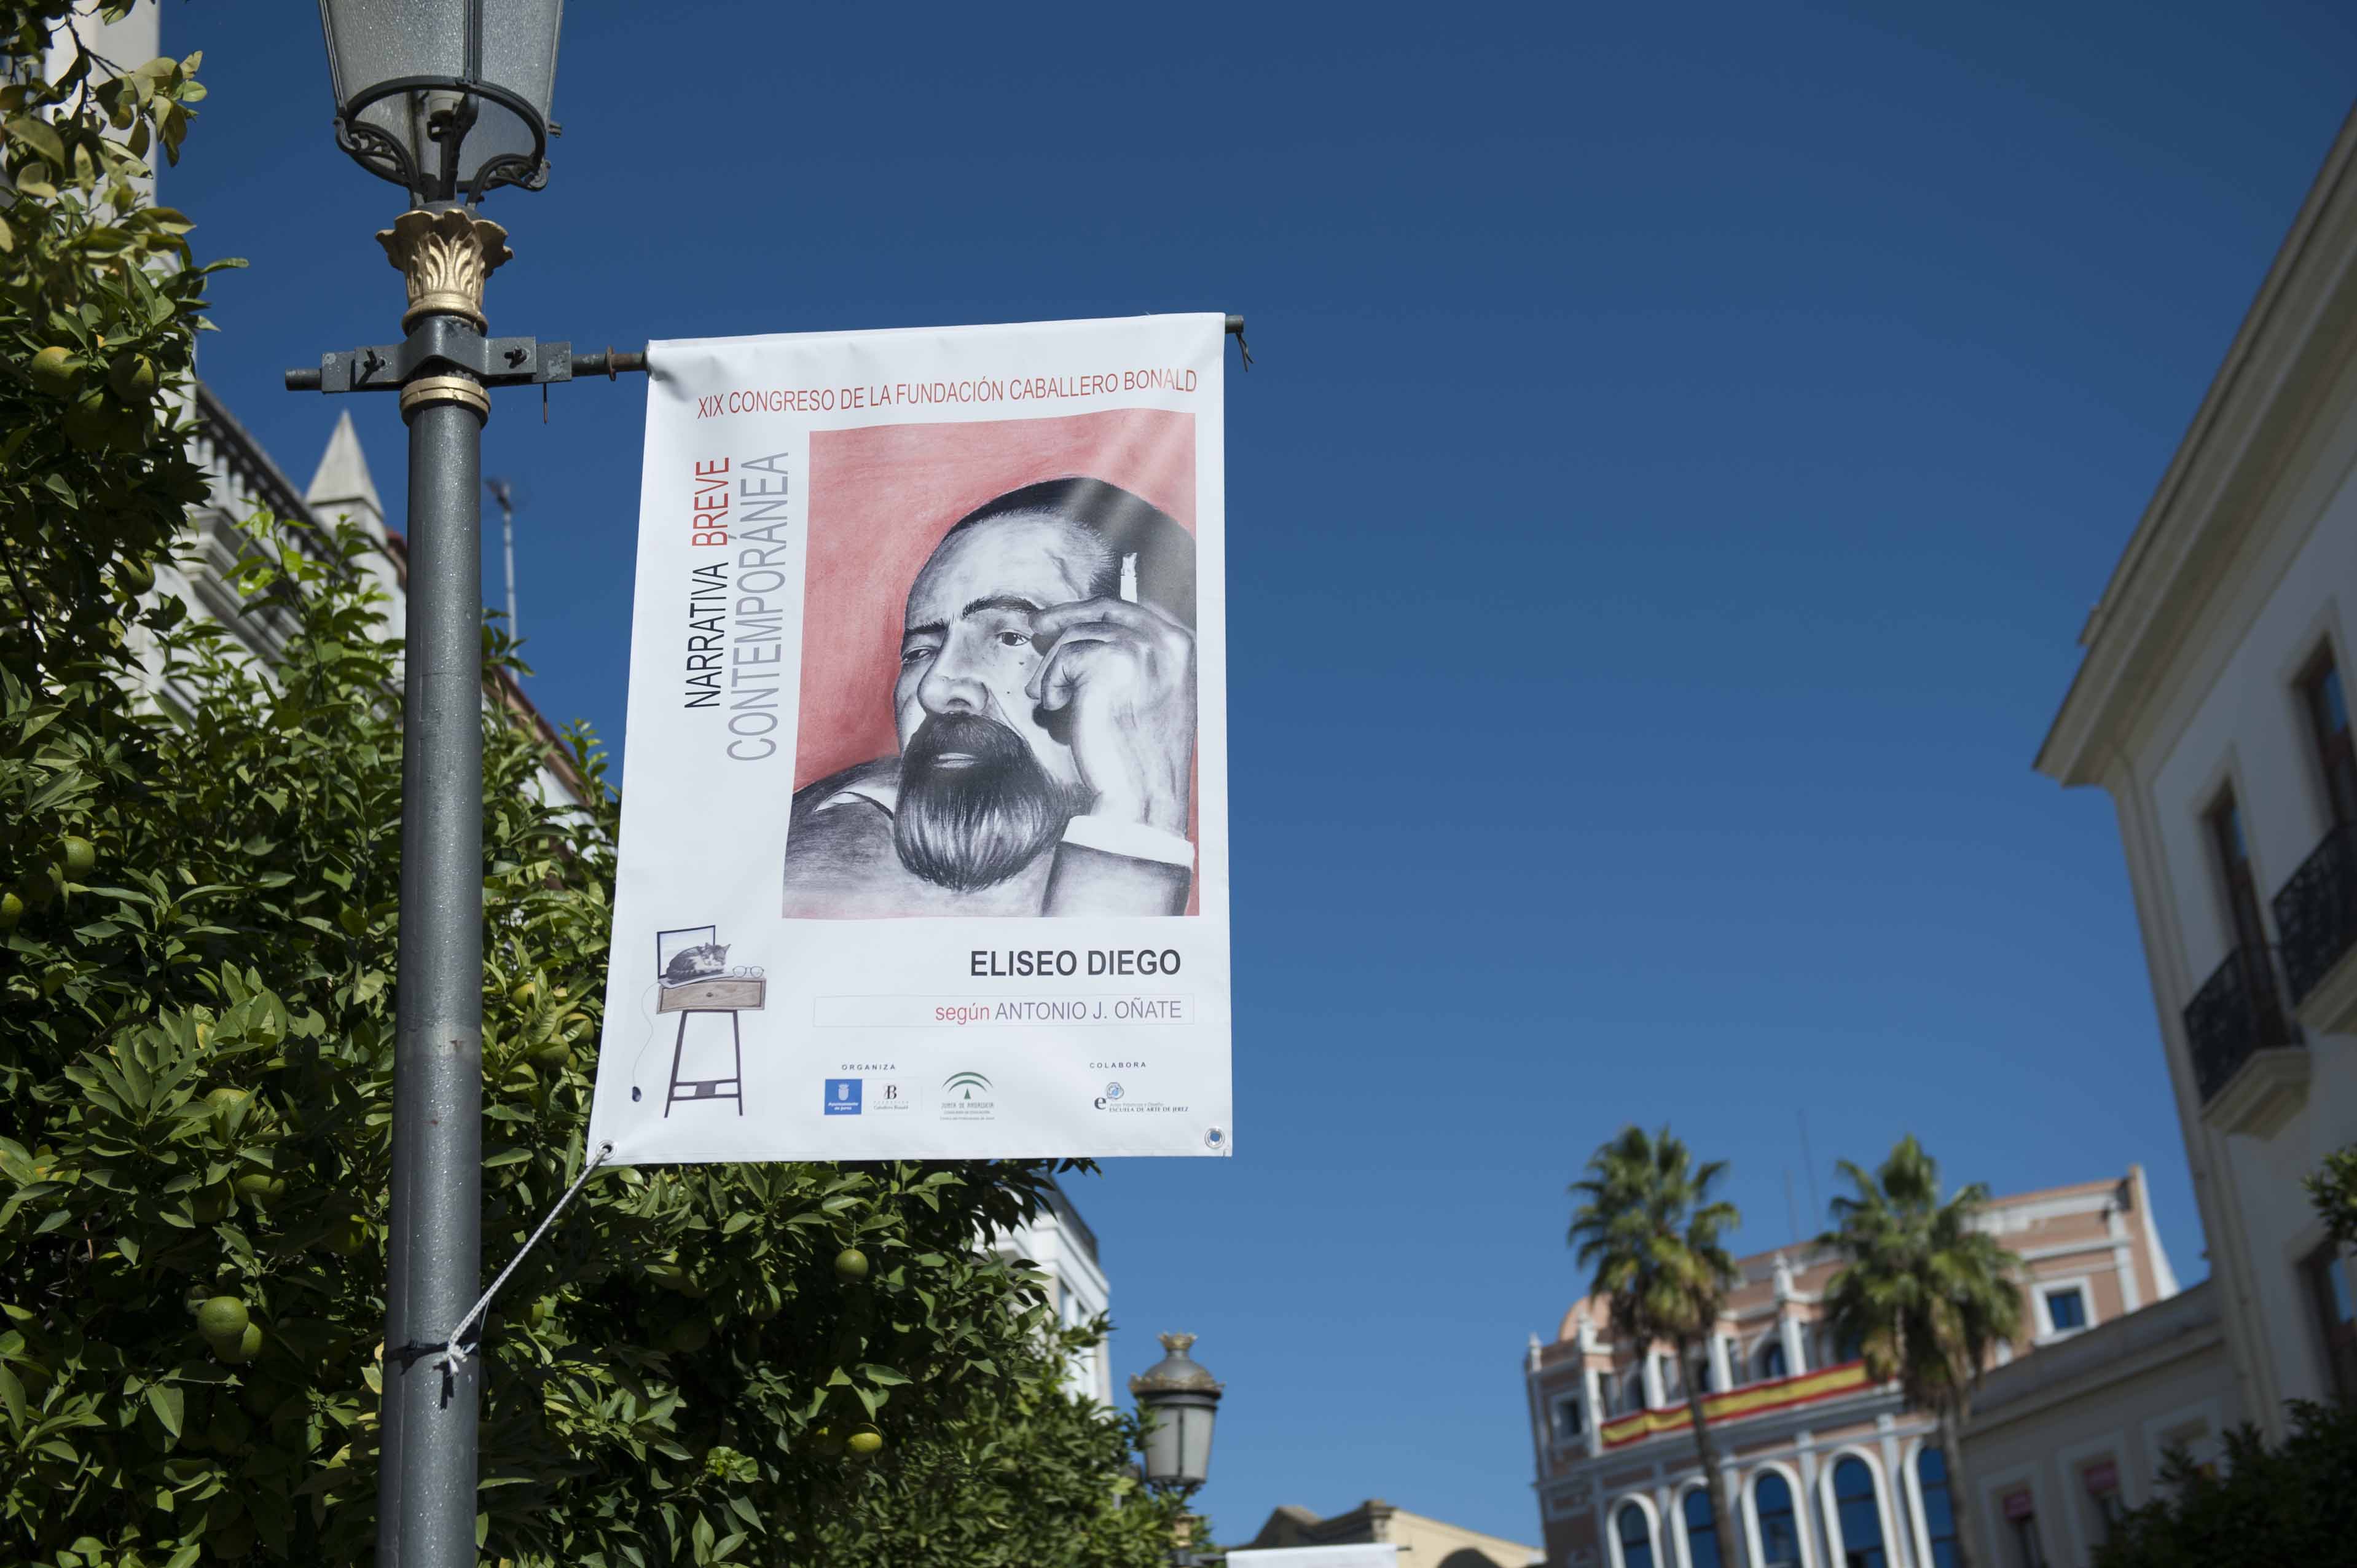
(924,839)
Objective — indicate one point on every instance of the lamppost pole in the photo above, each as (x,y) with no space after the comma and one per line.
(448,102)
(427,1489)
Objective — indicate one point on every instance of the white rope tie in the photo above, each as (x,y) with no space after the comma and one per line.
(458,1335)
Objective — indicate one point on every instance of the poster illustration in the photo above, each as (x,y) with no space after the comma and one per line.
(924,824)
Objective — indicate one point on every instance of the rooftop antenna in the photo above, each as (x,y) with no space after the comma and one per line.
(1791,1209)
(503,492)
(1809,1164)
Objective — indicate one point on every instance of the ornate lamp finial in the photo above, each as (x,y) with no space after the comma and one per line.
(445,257)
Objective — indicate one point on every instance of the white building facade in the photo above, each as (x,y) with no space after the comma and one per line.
(2212,705)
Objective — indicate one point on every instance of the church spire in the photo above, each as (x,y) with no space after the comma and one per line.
(342,484)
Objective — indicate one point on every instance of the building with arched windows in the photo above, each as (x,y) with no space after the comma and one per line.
(1823,1467)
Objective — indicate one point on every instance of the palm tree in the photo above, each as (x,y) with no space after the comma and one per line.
(1926,1296)
(1655,1236)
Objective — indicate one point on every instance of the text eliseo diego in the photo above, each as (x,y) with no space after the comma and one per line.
(1015,963)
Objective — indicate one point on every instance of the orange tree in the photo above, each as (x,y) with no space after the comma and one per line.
(199,857)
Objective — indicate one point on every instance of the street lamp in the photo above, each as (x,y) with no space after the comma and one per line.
(1181,1399)
(445,98)
(448,98)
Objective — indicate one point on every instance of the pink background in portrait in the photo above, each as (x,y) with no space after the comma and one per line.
(882,496)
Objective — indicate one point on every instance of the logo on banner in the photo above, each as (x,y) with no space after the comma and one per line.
(967,1097)
(843,1097)
(1113,1092)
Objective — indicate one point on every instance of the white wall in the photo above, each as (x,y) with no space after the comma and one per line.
(2246,728)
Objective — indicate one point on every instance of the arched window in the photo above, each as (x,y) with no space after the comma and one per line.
(1633,1390)
(1779,1531)
(1636,1538)
(1702,1536)
(1939,1518)
(1772,1361)
(1860,1515)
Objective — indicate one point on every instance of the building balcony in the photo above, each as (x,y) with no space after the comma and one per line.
(2250,1062)
(2316,912)
(1751,1400)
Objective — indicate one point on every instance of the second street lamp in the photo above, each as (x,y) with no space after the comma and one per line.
(1180,1400)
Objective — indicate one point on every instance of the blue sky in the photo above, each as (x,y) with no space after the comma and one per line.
(1684,447)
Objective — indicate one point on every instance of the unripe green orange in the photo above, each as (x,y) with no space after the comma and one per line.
(78,856)
(689,1335)
(135,577)
(227,1107)
(222,1317)
(12,910)
(865,1442)
(54,370)
(553,1056)
(247,1346)
(259,1187)
(851,1264)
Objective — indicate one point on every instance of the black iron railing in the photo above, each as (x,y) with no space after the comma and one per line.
(2238,1010)
(2316,912)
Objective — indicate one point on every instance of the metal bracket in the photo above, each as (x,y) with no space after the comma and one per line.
(438,341)
(448,341)
(495,361)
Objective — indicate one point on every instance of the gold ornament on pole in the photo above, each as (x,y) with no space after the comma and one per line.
(445,257)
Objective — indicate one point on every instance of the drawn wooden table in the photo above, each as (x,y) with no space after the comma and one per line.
(732,994)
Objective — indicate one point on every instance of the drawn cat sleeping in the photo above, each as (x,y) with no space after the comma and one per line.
(704,961)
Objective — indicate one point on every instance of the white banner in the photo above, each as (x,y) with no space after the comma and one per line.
(1318,1557)
(924,842)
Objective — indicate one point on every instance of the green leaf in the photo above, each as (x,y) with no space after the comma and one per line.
(40,136)
(169,1406)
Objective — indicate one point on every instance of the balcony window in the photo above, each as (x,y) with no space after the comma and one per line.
(2239,1009)
(2104,1508)
(1636,1536)
(2328,1292)
(1858,1511)
(2066,1310)
(2021,1532)
(2316,910)
(1939,1518)
(1701,1534)
(1779,1529)
(1772,1361)
(2327,726)
(1566,1415)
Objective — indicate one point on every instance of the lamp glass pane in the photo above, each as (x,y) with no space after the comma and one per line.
(1162,1446)
(520,48)
(371,41)
(1195,1446)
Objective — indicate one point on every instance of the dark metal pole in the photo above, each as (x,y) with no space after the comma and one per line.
(427,1488)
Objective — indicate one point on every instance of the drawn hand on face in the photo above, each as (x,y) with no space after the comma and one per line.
(1127,672)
